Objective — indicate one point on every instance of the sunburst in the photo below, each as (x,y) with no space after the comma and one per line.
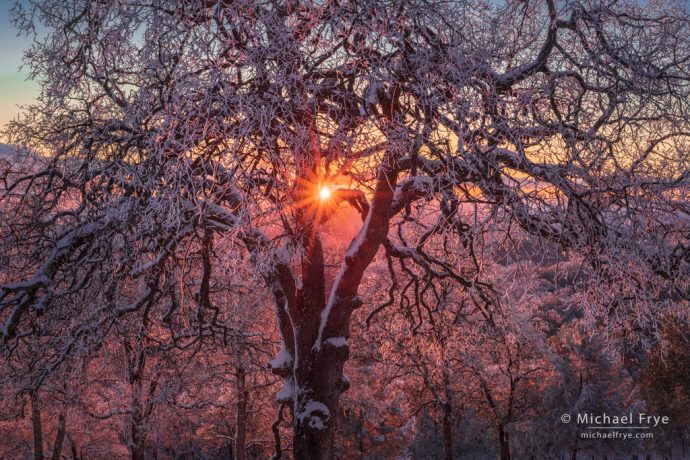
(325,193)
(316,196)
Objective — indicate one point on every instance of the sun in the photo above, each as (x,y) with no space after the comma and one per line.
(317,197)
(325,193)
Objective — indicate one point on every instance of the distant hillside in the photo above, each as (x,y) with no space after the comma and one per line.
(8,151)
(17,159)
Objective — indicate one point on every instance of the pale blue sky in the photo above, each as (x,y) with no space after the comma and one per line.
(14,88)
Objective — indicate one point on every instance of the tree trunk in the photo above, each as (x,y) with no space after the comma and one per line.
(319,383)
(137,429)
(361,419)
(136,447)
(324,327)
(447,414)
(241,424)
(59,438)
(504,453)
(448,431)
(36,424)
(314,430)
(682,444)
(315,331)
(317,368)
(73,448)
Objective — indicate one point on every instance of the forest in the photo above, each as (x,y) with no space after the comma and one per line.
(348,229)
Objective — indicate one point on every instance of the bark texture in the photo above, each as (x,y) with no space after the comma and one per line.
(36,426)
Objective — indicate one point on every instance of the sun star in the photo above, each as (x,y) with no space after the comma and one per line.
(324,193)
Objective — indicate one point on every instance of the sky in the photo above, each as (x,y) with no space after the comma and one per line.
(14,87)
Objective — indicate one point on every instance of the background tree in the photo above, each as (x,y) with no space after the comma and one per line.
(665,384)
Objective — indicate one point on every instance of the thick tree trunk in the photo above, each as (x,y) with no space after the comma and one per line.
(36,425)
(315,421)
(59,438)
(319,381)
(324,327)
(318,368)
(241,420)
(504,452)
(315,330)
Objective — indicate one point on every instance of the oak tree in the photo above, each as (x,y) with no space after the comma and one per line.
(170,127)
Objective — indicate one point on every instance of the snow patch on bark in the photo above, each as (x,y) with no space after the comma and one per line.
(287,392)
(283,360)
(316,415)
(336,342)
